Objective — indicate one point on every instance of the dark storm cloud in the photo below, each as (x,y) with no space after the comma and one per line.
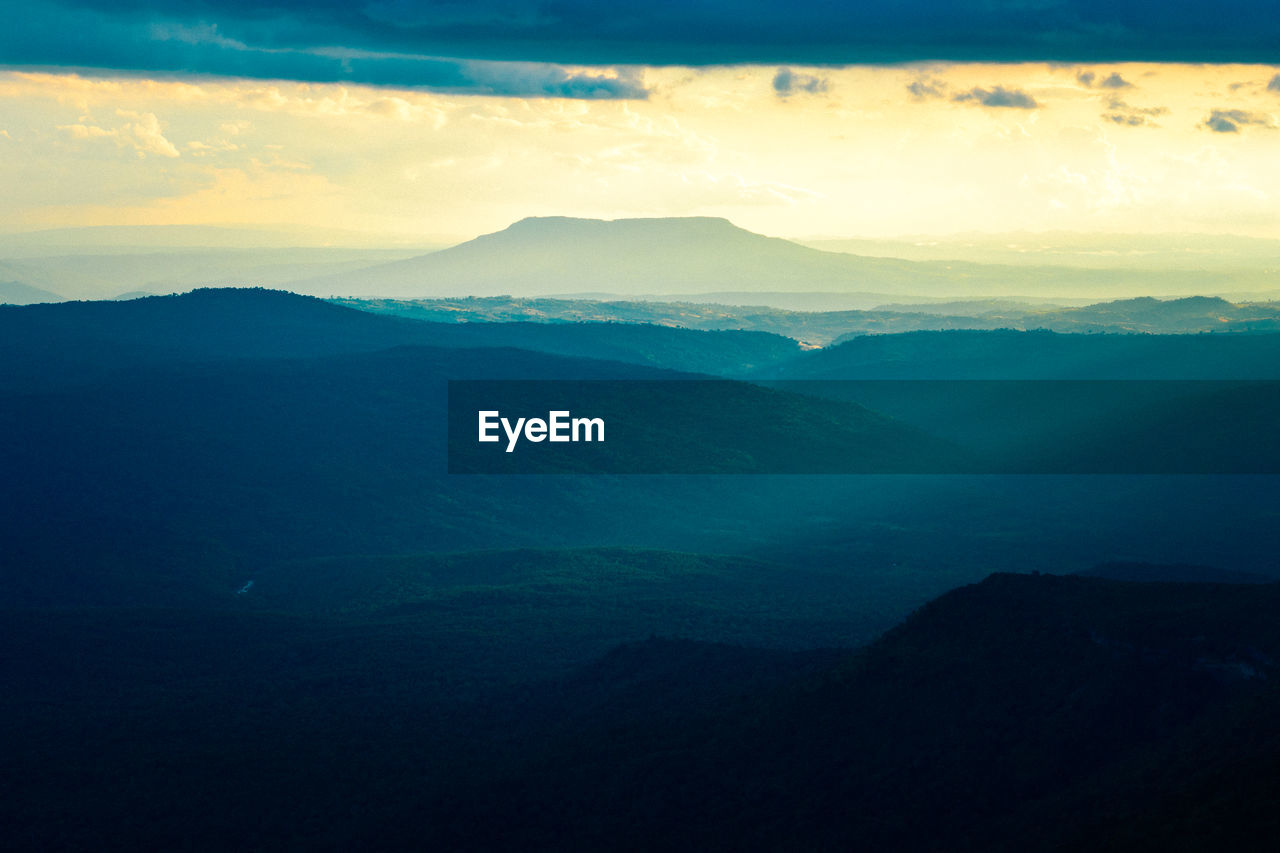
(1230,121)
(787,82)
(94,42)
(427,42)
(998,97)
(1274,85)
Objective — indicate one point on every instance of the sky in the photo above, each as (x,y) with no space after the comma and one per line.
(439,121)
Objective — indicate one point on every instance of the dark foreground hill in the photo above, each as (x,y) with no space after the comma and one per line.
(79,343)
(1023,713)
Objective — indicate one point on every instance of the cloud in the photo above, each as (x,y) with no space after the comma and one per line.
(143,133)
(1090,80)
(86,131)
(1230,121)
(1118,112)
(787,82)
(998,96)
(928,88)
(428,43)
(1274,85)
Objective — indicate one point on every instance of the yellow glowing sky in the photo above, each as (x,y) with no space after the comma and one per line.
(851,152)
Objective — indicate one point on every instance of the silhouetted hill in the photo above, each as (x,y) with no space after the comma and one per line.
(1038,355)
(1024,713)
(79,342)
(1146,306)
(200,325)
(1145,314)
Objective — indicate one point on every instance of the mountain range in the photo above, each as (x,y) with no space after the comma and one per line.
(247,606)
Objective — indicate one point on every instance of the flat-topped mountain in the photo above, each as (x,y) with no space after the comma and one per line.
(548,255)
(700,255)
(544,255)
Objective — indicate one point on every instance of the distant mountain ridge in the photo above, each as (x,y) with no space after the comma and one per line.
(17,293)
(821,327)
(542,256)
(1009,354)
(561,254)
